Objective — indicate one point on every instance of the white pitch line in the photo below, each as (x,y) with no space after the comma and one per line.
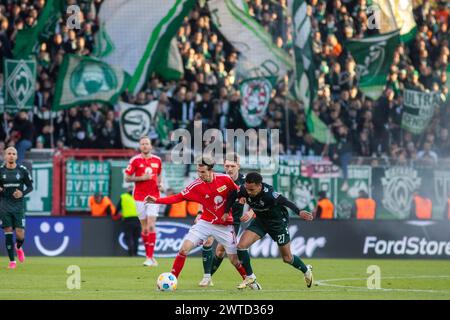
(325,282)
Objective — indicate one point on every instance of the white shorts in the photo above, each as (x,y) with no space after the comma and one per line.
(147,209)
(224,235)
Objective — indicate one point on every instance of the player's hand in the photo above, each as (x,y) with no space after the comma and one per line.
(1,189)
(17,194)
(242,200)
(225,217)
(160,188)
(305,215)
(150,199)
(247,215)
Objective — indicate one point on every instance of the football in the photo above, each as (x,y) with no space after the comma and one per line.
(166,282)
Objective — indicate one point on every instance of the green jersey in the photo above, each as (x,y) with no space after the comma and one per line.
(237,208)
(11,180)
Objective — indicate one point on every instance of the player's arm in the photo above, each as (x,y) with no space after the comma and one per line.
(28,184)
(166,200)
(282,200)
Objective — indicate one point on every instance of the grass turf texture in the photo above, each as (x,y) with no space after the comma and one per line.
(126,278)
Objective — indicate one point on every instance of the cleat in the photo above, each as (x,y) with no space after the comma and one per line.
(206,282)
(20,254)
(155,263)
(12,265)
(246,283)
(255,286)
(149,263)
(309,276)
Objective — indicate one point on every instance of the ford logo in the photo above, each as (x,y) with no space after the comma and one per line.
(169,237)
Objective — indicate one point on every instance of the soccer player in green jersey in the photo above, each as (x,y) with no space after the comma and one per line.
(15,183)
(211,263)
(271,217)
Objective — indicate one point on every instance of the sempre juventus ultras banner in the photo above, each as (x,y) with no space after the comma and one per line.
(418,109)
(136,34)
(258,55)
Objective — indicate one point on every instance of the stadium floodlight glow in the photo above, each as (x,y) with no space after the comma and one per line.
(259,148)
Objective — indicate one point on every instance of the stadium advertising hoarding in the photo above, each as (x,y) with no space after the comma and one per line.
(318,239)
(39,202)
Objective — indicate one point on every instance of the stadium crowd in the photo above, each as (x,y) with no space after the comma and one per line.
(208,91)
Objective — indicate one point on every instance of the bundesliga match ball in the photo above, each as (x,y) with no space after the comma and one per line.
(166,282)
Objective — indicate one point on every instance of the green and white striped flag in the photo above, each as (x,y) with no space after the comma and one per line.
(304,82)
(20,84)
(87,80)
(259,56)
(171,68)
(135,34)
(28,39)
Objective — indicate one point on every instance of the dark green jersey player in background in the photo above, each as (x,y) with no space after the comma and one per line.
(271,217)
(210,263)
(15,184)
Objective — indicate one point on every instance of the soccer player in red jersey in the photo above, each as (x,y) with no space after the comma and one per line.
(145,171)
(211,191)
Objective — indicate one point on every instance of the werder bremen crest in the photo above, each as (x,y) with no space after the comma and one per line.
(89,79)
(303,194)
(20,84)
(255,97)
(399,183)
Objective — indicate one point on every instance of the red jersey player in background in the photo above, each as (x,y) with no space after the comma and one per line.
(211,191)
(145,171)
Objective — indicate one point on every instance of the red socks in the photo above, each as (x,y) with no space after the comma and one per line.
(149,243)
(178,264)
(240,268)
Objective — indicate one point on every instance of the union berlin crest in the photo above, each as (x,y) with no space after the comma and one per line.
(255,97)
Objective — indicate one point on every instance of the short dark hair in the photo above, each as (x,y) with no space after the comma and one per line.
(322,194)
(253,177)
(206,161)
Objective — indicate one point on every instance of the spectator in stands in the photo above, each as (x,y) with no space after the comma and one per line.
(22,135)
(364,207)
(101,206)
(427,155)
(325,208)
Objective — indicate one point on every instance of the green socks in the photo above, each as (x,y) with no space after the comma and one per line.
(244,257)
(216,264)
(297,263)
(10,245)
(207,259)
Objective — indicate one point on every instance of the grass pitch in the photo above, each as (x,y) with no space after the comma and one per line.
(126,278)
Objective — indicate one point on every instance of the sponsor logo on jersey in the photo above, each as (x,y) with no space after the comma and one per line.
(155,165)
(222,188)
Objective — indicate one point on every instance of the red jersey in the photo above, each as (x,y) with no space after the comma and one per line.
(138,166)
(211,195)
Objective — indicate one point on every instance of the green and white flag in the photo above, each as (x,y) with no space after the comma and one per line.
(373,56)
(418,109)
(259,56)
(390,15)
(87,80)
(255,97)
(171,68)
(304,82)
(20,84)
(28,40)
(135,122)
(135,34)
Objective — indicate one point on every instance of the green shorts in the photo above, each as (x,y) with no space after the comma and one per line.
(277,229)
(14,220)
